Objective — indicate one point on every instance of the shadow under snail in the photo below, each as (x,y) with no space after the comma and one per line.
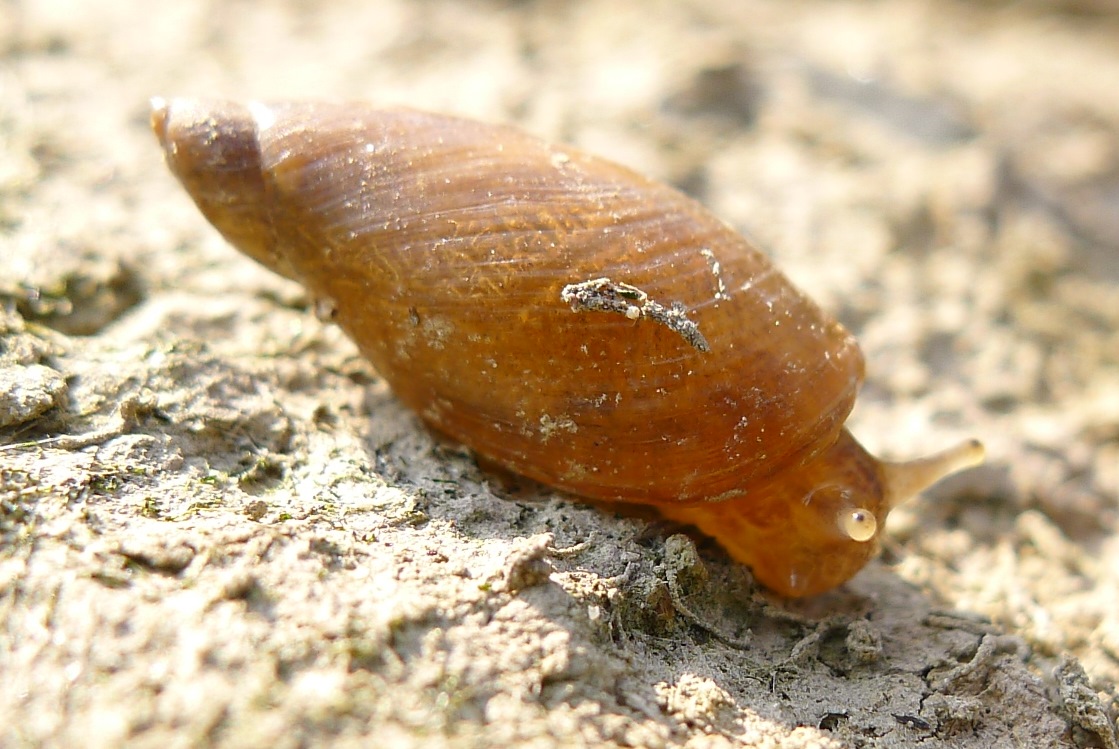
(564,317)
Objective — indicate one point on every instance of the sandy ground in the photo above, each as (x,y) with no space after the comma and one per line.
(220,529)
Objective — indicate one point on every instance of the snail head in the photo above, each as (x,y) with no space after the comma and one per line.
(812,527)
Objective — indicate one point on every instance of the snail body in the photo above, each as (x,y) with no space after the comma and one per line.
(563,317)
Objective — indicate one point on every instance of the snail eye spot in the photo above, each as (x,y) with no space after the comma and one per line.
(326,309)
(858,524)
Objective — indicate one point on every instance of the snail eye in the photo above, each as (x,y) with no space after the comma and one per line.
(858,524)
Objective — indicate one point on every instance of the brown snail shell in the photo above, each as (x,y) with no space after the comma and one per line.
(564,317)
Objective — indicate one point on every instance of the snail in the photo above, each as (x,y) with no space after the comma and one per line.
(563,317)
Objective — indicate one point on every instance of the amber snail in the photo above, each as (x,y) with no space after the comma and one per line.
(563,317)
